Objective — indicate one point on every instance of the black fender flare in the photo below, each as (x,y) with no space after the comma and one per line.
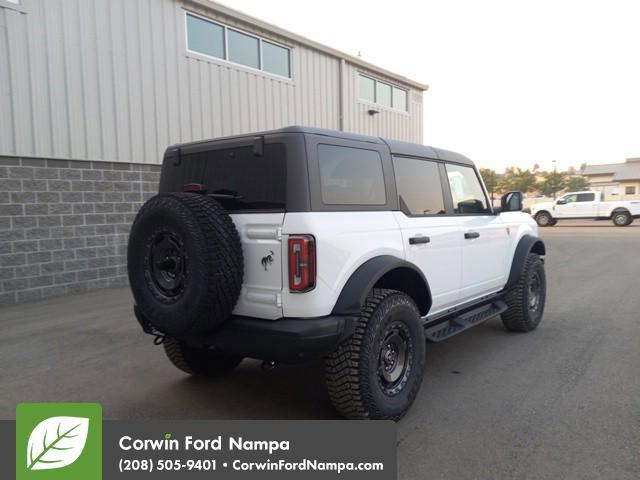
(526,245)
(365,277)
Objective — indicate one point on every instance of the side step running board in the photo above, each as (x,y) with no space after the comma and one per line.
(464,321)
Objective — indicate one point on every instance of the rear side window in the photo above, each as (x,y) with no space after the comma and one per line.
(238,179)
(466,190)
(351,176)
(586,197)
(419,187)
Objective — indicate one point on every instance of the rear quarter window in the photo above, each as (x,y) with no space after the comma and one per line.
(351,176)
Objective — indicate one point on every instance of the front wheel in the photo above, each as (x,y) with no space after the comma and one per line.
(544,219)
(199,361)
(526,299)
(377,373)
(621,219)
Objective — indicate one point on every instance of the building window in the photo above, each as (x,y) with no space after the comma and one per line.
(216,40)
(630,190)
(382,93)
(275,59)
(243,49)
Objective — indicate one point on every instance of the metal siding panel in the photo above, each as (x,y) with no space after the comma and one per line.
(20,86)
(121,85)
(147,83)
(6,118)
(90,82)
(134,82)
(159,59)
(39,82)
(59,121)
(105,75)
(74,92)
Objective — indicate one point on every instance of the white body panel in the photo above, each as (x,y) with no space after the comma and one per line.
(589,209)
(261,294)
(344,241)
(483,258)
(440,260)
(458,270)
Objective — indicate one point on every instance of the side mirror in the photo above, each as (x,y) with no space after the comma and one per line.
(561,201)
(511,202)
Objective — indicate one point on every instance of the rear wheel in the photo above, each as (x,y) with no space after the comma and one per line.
(526,299)
(544,219)
(621,218)
(199,360)
(377,373)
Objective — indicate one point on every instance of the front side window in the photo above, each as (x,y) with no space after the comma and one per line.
(466,190)
(571,198)
(351,176)
(586,197)
(419,187)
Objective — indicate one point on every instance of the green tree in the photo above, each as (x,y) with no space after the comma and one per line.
(551,183)
(490,178)
(516,179)
(577,184)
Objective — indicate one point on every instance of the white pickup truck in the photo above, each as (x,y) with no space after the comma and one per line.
(574,205)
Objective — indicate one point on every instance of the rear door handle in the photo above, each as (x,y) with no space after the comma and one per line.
(417,240)
(470,235)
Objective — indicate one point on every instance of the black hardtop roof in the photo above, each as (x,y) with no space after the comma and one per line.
(396,147)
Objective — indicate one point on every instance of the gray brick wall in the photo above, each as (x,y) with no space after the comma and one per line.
(64,224)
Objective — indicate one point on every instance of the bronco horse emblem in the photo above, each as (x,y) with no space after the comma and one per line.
(267,260)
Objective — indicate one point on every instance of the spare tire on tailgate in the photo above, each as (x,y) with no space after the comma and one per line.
(185,263)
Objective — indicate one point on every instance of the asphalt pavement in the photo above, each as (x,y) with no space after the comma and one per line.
(562,402)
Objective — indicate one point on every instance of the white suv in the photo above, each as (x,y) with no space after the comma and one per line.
(302,243)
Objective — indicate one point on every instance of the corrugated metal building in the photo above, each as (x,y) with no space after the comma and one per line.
(93,91)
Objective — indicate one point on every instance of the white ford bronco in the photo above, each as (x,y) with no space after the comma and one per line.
(302,243)
(585,205)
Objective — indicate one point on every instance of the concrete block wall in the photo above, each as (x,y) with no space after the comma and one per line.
(64,224)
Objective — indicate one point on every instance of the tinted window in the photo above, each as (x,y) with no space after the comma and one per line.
(205,37)
(275,59)
(243,49)
(466,190)
(586,197)
(367,89)
(399,99)
(419,187)
(383,94)
(242,180)
(351,176)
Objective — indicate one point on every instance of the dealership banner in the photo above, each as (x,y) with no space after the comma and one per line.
(71,441)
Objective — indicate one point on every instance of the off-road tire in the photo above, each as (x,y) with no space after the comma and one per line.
(621,219)
(353,377)
(521,316)
(544,219)
(199,361)
(185,263)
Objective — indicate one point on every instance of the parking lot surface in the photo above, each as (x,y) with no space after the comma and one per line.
(562,402)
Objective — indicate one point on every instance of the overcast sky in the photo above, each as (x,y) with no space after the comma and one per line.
(511,82)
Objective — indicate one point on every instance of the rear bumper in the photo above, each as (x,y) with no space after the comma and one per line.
(288,340)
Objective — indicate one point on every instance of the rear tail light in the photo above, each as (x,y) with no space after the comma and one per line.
(302,263)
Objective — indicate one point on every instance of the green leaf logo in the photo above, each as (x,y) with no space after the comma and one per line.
(57,442)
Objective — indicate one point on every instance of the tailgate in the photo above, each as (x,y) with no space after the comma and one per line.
(260,234)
